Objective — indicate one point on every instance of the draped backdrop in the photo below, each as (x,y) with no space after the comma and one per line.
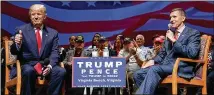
(108,18)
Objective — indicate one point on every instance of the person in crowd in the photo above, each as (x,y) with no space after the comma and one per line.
(118,43)
(71,43)
(210,73)
(70,47)
(139,42)
(181,41)
(97,35)
(157,46)
(33,43)
(77,51)
(134,56)
(103,42)
(95,42)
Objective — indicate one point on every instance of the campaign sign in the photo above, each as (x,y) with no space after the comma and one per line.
(98,72)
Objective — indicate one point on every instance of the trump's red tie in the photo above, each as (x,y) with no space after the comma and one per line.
(38,38)
(38,66)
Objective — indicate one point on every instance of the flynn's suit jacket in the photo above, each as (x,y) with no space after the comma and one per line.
(187,46)
(28,53)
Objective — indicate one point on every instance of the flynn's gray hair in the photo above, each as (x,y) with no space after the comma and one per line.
(182,12)
(36,7)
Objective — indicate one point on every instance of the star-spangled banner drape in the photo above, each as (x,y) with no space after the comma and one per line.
(109,18)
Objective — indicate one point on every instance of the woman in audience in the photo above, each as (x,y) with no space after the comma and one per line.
(118,43)
(95,42)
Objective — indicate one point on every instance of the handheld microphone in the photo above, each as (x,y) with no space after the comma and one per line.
(44,66)
(169,26)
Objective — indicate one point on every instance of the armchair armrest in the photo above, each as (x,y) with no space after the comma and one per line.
(175,68)
(191,60)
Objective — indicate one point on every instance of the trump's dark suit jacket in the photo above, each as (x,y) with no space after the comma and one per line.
(28,53)
(187,46)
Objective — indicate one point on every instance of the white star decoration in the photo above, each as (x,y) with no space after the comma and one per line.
(66,3)
(117,2)
(91,3)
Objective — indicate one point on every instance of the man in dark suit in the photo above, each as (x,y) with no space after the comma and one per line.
(184,42)
(33,43)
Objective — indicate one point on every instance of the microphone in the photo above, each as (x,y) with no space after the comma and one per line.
(169,26)
(44,66)
(45,62)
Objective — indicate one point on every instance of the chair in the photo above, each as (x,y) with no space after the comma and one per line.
(12,60)
(201,70)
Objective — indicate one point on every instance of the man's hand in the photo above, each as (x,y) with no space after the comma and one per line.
(46,71)
(170,36)
(18,38)
(135,43)
(133,51)
(100,52)
(157,49)
(148,64)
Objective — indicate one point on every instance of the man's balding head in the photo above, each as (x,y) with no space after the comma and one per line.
(140,40)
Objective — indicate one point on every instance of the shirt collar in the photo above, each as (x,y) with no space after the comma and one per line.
(181,29)
(40,27)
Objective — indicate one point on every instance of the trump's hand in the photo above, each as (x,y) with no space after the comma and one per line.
(170,36)
(46,71)
(18,38)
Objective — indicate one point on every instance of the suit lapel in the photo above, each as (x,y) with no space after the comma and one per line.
(181,37)
(32,36)
(183,34)
(44,39)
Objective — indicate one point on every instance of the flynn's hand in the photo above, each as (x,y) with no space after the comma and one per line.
(170,36)
(18,38)
(46,71)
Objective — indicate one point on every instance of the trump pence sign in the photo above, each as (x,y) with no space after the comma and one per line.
(98,72)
